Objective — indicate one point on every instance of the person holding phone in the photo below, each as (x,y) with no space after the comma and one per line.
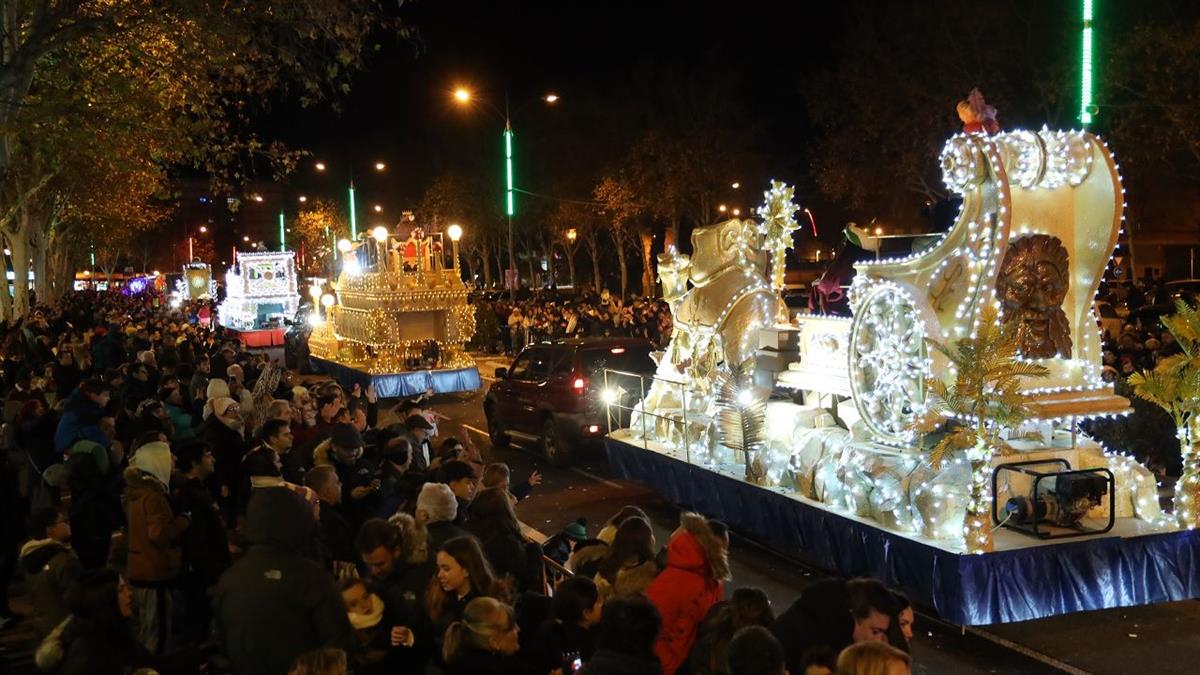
(567,639)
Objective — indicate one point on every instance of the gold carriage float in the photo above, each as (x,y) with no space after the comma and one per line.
(399,318)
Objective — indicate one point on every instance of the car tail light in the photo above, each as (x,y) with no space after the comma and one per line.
(579,384)
(617,350)
(593,429)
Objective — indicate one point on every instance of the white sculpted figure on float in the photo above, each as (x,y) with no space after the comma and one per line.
(716,325)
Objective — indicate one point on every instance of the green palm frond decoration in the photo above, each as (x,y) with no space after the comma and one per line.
(1174,386)
(741,419)
(985,397)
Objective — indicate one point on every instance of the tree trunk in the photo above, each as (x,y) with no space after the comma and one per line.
(548,249)
(19,245)
(648,290)
(471,265)
(977,521)
(6,304)
(593,249)
(500,266)
(671,236)
(571,266)
(624,264)
(1187,490)
(41,282)
(486,251)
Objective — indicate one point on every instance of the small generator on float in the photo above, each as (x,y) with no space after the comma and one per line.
(1048,499)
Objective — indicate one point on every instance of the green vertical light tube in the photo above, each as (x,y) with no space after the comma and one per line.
(1085,67)
(282,238)
(353,218)
(508,169)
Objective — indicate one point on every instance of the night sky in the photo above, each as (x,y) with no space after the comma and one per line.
(400,110)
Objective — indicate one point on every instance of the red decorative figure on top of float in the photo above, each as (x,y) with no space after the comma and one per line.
(978,117)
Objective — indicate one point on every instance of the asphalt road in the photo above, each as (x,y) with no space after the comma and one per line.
(1161,639)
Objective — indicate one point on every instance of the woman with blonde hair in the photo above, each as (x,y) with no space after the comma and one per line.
(484,641)
(873,658)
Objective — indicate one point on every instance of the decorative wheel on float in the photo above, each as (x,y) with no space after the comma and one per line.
(889,363)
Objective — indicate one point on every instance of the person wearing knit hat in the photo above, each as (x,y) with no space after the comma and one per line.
(215,389)
(436,510)
(223,430)
(153,534)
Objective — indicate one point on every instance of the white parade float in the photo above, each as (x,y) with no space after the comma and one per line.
(834,413)
(261,292)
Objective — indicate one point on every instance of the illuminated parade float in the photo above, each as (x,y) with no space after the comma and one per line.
(261,292)
(931,439)
(398,317)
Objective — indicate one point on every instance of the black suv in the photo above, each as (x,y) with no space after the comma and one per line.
(553,391)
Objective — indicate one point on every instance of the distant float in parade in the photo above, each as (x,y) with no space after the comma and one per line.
(398,316)
(261,293)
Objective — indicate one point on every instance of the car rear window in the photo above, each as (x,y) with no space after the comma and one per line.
(630,359)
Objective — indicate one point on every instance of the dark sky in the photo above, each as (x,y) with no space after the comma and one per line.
(400,110)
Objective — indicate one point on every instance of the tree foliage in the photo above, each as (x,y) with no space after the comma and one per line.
(985,397)
(99,99)
(320,224)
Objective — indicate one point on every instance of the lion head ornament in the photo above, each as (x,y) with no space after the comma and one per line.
(1031,287)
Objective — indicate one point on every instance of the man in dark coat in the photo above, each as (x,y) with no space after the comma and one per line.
(205,544)
(274,604)
(834,613)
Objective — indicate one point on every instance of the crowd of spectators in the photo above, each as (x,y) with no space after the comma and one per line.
(546,316)
(1133,337)
(174,502)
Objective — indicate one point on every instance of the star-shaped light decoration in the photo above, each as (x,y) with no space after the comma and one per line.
(777,222)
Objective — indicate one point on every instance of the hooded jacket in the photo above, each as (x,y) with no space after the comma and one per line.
(153,530)
(80,420)
(274,604)
(697,563)
(51,569)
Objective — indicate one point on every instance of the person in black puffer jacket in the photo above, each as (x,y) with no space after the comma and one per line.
(625,644)
(274,604)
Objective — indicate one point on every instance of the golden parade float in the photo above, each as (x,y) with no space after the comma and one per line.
(398,316)
(932,438)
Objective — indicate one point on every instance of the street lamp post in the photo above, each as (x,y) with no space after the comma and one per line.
(464,96)
(455,233)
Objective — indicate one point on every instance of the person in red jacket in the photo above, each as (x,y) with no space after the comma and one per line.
(697,564)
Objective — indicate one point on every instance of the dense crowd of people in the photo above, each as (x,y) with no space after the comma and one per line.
(588,314)
(1141,340)
(173,501)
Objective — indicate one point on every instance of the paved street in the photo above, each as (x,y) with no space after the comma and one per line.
(1160,639)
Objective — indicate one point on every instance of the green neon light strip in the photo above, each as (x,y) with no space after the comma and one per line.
(353,219)
(282,239)
(508,166)
(1085,71)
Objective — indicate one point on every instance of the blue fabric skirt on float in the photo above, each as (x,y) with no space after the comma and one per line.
(400,385)
(1029,582)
